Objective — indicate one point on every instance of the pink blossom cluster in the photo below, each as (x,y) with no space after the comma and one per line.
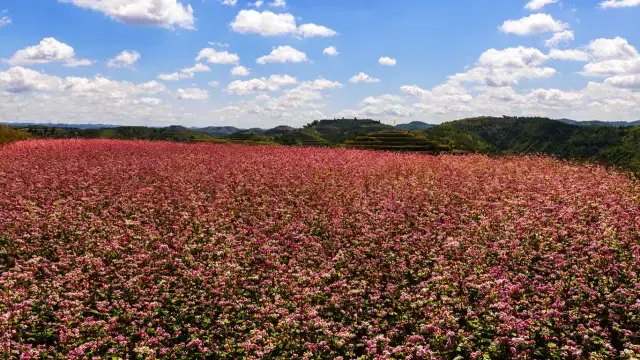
(139,250)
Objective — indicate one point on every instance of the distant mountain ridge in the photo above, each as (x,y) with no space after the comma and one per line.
(600,123)
(414,126)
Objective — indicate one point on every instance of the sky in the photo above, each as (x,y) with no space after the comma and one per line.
(288,62)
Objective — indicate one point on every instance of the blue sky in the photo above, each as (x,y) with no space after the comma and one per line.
(134,61)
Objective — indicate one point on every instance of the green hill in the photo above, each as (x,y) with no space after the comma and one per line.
(414,126)
(339,130)
(8,135)
(393,140)
(511,135)
(171,133)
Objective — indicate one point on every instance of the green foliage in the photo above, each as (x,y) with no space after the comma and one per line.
(171,133)
(340,130)
(392,140)
(532,135)
(8,135)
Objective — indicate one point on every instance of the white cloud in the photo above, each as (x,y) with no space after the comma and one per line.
(612,57)
(283,54)
(78,62)
(313,30)
(278,3)
(148,101)
(240,71)
(192,94)
(162,13)
(257,4)
(18,79)
(616,48)
(534,5)
(382,99)
(4,20)
(267,23)
(518,57)
(612,67)
(197,68)
(624,81)
(187,73)
(363,78)
(217,57)
(507,67)
(331,51)
(273,83)
(124,59)
(174,76)
(218,44)
(229,2)
(560,38)
(619,3)
(323,84)
(572,55)
(47,51)
(387,61)
(533,24)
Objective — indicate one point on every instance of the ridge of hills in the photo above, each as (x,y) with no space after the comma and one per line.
(615,143)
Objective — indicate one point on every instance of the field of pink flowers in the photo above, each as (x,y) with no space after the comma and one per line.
(138,250)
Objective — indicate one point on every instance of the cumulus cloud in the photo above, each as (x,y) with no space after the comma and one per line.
(323,84)
(47,51)
(619,3)
(559,38)
(217,57)
(313,30)
(612,67)
(78,62)
(18,79)
(267,23)
(283,54)
(616,48)
(624,81)
(229,2)
(331,51)
(240,71)
(387,61)
(186,73)
(612,57)
(164,13)
(535,5)
(382,99)
(507,67)
(363,78)
(278,3)
(192,94)
(533,24)
(273,83)
(572,55)
(124,59)
(257,4)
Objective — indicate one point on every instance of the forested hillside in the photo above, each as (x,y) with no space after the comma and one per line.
(566,139)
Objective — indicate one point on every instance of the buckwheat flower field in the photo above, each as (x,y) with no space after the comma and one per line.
(139,250)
